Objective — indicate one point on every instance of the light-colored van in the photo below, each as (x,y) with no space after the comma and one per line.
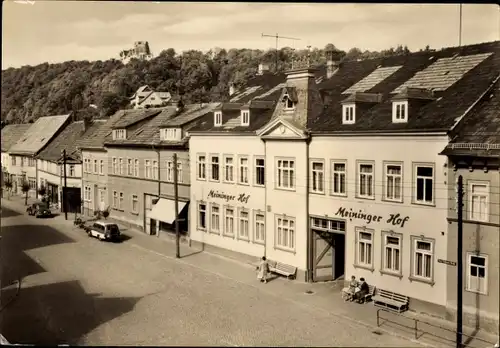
(104,230)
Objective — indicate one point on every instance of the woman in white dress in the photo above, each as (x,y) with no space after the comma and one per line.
(263,269)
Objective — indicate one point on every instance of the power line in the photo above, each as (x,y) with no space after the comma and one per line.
(277,37)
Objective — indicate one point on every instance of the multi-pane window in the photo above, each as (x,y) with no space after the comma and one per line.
(32,183)
(129,167)
(13,160)
(179,172)
(148,169)
(101,167)
(339,178)
(229,169)
(478,197)
(155,170)
(135,204)
(202,216)
(243,173)
(122,168)
(229,222)
(170,171)
(87,194)
(399,111)
(285,233)
(348,111)
(215,167)
(120,202)
(365,178)
(477,273)
(136,167)
(214,218)
(260,172)
(114,166)
(102,198)
(218,118)
(365,248)
(115,199)
(286,174)
(260,228)
(96,169)
(244,224)
(424,184)
(202,167)
(149,202)
(71,170)
(422,259)
(245,118)
(394,182)
(318,177)
(392,253)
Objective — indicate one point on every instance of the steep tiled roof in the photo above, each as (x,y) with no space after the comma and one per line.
(189,115)
(130,117)
(97,132)
(39,135)
(64,140)
(11,133)
(478,133)
(467,72)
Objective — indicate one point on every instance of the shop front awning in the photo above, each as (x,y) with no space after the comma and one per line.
(164,210)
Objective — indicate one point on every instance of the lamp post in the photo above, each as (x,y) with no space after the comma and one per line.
(63,196)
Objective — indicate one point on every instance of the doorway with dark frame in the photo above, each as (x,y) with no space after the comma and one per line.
(328,249)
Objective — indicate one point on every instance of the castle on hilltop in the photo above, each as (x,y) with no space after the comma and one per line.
(140,51)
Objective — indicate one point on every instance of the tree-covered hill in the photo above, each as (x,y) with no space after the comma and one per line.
(51,89)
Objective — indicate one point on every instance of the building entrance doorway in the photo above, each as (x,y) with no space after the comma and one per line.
(328,249)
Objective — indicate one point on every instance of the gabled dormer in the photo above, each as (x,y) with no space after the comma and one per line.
(218,118)
(289,98)
(171,134)
(357,103)
(245,116)
(119,134)
(408,101)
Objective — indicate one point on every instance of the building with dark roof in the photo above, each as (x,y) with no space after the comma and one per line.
(23,153)
(10,135)
(358,154)
(50,168)
(474,154)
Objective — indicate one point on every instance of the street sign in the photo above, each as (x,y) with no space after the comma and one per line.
(446,262)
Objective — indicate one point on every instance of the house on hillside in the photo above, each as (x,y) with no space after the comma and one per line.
(140,51)
(145,97)
(474,153)
(141,181)
(50,166)
(23,153)
(10,135)
(331,182)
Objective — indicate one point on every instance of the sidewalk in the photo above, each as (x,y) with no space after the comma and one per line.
(323,297)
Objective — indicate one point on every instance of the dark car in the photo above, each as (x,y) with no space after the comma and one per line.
(39,210)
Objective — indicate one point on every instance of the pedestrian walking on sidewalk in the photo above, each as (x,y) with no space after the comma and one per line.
(263,269)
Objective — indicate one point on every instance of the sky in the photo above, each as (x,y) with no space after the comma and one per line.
(54,31)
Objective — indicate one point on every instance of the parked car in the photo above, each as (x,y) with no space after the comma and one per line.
(104,230)
(39,210)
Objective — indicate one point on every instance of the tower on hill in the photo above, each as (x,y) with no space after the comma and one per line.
(140,51)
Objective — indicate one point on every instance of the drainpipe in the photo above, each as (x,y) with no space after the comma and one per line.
(159,185)
(309,242)
(265,197)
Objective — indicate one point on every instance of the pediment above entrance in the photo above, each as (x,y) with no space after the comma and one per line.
(280,128)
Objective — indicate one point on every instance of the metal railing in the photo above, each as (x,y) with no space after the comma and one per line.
(415,327)
(475,146)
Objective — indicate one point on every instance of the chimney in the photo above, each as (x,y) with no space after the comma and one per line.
(232,89)
(332,62)
(263,68)
(87,122)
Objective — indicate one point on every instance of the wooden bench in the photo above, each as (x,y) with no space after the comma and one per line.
(390,300)
(346,295)
(282,269)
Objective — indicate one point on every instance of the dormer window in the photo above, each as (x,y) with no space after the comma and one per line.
(218,118)
(400,112)
(245,117)
(119,134)
(170,134)
(348,113)
(289,100)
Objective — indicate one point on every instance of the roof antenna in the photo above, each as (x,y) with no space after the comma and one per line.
(460,28)
(277,37)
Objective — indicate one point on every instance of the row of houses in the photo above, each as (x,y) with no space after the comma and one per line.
(346,169)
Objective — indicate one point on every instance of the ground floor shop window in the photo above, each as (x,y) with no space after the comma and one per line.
(422,259)
(285,233)
(392,247)
(364,247)
(477,273)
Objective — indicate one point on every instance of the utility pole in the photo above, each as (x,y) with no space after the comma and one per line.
(176,200)
(460,28)
(277,37)
(63,196)
(460,193)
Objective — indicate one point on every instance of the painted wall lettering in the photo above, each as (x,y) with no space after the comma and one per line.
(394,219)
(242,197)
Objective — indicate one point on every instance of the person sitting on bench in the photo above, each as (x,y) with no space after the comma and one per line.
(348,292)
(363,290)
